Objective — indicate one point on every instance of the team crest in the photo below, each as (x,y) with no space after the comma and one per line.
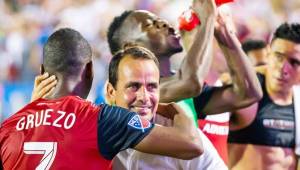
(138,123)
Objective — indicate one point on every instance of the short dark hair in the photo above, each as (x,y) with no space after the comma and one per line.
(114,41)
(65,51)
(289,32)
(250,45)
(136,52)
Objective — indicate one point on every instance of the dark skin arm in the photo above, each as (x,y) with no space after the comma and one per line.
(243,117)
(189,79)
(245,88)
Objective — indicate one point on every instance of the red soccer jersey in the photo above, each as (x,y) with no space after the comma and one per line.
(66,133)
(217,133)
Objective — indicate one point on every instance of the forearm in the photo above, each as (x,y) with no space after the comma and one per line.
(244,79)
(188,81)
(198,59)
(197,62)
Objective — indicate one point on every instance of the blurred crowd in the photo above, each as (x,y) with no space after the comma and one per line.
(26,24)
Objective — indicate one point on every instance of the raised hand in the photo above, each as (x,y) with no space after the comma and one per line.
(204,8)
(225,31)
(169,110)
(44,86)
(166,110)
(180,118)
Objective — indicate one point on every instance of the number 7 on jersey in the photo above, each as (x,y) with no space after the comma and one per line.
(48,149)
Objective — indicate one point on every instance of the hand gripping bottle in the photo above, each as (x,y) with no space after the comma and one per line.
(188,20)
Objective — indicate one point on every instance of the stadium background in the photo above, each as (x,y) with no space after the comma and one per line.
(26,24)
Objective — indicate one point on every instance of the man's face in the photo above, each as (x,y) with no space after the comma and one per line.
(153,33)
(284,65)
(137,86)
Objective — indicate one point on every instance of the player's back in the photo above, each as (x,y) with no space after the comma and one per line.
(52,134)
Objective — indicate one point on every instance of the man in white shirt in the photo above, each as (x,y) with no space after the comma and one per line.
(133,85)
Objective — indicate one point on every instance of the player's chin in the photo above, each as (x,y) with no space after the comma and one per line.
(147,116)
(177,49)
(174,44)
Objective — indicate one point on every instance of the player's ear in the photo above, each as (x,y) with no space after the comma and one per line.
(89,70)
(110,94)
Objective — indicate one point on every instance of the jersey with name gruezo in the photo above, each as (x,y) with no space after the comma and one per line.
(68,133)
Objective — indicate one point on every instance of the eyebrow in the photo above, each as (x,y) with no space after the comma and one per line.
(280,53)
(295,60)
(290,57)
(138,83)
(132,83)
(153,83)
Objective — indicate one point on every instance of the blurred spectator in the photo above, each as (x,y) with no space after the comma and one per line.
(257,51)
(26,24)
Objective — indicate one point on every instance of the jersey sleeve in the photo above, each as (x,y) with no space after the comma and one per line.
(201,100)
(119,129)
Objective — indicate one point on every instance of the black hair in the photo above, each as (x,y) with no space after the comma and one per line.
(250,45)
(289,32)
(136,52)
(65,51)
(114,41)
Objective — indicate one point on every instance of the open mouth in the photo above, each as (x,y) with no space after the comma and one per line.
(174,33)
(174,41)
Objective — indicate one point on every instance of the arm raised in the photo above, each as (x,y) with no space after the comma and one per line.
(188,81)
(245,88)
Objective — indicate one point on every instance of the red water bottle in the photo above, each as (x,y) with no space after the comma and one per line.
(220,2)
(188,20)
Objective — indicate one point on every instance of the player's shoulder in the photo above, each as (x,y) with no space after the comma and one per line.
(82,106)
(78,102)
(74,103)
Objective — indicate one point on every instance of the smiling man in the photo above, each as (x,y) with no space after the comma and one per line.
(134,81)
(134,84)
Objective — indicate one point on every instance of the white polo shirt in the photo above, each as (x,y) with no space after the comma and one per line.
(134,160)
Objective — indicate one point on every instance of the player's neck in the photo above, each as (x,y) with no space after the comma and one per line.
(65,88)
(164,66)
(283,97)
